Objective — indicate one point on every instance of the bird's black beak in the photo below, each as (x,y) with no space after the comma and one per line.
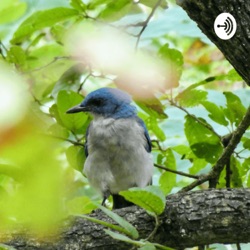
(77,109)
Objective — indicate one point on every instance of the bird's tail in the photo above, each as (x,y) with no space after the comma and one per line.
(120,202)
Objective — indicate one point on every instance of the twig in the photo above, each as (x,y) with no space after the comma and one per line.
(37,100)
(176,172)
(108,24)
(158,145)
(84,81)
(157,225)
(76,143)
(146,23)
(5,49)
(48,64)
(238,154)
(201,180)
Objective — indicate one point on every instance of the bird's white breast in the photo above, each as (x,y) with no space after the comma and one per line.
(117,157)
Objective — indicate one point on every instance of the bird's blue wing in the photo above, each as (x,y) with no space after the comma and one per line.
(148,146)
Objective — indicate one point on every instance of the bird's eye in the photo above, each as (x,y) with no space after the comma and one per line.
(96,102)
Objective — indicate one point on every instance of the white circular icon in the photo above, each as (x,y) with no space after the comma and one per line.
(225,26)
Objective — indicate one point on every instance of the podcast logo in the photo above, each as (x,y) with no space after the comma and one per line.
(225,26)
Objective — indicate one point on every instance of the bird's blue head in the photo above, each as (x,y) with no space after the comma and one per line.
(107,102)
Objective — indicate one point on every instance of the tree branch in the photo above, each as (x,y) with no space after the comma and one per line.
(190,219)
(145,24)
(176,172)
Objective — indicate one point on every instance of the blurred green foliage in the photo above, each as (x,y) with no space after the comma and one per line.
(196,99)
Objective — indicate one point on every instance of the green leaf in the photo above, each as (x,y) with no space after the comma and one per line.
(246,143)
(117,9)
(191,98)
(42,19)
(11,171)
(17,56)
(11,10)
(203,142)
(81,157)
(207,151)
(78,5)
(167,182)
(198,165)
(173,59)
(216,113)
(246,168)
(153,125)
(151,198)
(58,131)
(153,108)
(104,223)
(195,85)
(235,167)
(55,113)
(66,100)
(170,159)
(75,157)
(122,237)
(148,246)
(6,247)
(81,205)
(70,79)
(185,152)
(233,76)
(142,244)
(152,3)
(235,109)
(58,32)
(130,229)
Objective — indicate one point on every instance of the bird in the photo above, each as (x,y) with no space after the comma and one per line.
(117,145)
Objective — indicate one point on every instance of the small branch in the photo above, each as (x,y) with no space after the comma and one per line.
(153,233)
(4,48)
(75,143)
(201,180)
(36,100)
(176,172)
(84,81)
(57,58)
(238,154)
(108,24)
(158,145)
(146,23)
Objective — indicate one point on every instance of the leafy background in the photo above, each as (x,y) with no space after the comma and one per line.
(201,100)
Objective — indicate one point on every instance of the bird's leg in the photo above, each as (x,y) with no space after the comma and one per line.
(105,195)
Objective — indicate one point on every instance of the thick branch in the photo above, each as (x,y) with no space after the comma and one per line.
(190,219)
(236,49)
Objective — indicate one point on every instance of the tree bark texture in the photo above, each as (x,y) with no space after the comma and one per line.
(236,49)
(190,219)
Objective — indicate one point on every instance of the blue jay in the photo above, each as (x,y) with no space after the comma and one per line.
(117,145)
